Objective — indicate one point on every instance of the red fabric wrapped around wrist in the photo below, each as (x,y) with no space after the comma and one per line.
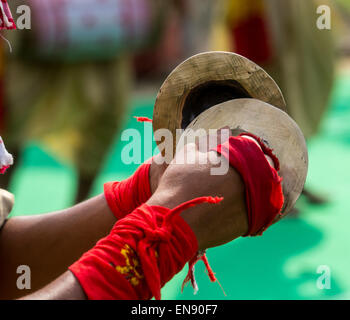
(263,188)
(143,252)
(125,196)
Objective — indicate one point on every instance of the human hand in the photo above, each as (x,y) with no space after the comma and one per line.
(203,143)
(185,180)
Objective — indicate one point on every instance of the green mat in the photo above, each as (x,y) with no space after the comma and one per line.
(280,265)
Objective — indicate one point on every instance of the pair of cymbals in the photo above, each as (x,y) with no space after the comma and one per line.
(213,90)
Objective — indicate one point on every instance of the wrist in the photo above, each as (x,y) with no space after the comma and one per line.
(125,196)
(170,199)
(143,252)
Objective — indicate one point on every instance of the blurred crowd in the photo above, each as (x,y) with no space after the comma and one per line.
(68,81)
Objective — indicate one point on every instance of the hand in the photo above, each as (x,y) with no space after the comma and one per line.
(213,224)
(204,144)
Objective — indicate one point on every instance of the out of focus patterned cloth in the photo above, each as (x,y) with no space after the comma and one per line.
(65,86)
(77,29)
(6,198)
(72,109)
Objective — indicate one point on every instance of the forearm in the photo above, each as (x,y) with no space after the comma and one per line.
(65,287)
(146,248)
(105,273)
(49,243)
(68,287)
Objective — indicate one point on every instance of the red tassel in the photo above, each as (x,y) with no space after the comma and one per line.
(143,119)
(190,275)
(3,169)
(209,269)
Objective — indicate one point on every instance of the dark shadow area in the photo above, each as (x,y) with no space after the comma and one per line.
(208,95)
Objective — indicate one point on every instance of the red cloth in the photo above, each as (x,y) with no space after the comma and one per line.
(143,119)
(142,253)
(251,39)
(263,189)
(125,196)
(6,20)
(149,246)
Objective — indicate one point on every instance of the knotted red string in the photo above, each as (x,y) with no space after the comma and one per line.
(143,252)
(191,266)
(125,196)
(147,246)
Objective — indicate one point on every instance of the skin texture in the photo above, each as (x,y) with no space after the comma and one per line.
(212,224)
(49,243)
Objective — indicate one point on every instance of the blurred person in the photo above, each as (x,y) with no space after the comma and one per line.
(197,21)
(69,78)
(303,65)
(155,62)
(304,60)
(185,33)
(343,27)
(283,38)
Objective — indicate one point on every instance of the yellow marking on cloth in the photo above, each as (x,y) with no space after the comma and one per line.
(130,269)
